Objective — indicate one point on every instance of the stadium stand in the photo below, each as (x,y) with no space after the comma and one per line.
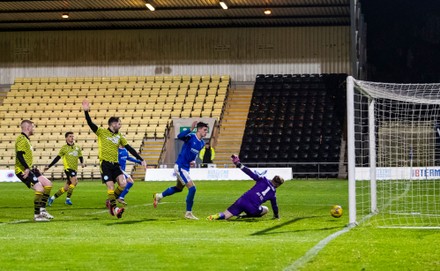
(232,123)
(296,120)
(145,104)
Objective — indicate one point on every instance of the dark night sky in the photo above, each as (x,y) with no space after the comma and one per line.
(403,40)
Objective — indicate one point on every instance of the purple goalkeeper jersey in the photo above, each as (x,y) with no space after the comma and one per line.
(261,192)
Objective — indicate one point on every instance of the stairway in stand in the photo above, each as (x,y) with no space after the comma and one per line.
(151,149)
(233,123)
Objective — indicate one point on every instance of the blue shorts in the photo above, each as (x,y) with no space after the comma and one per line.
(182,174)
(242,205)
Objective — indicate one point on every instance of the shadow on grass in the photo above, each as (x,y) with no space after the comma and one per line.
(305,230)
(14,222)
(129,222)
(17,207)
(73,208)
(269,230)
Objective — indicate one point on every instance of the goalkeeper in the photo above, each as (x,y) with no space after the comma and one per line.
(250,202)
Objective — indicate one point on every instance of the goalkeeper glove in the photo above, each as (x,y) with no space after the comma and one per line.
(236,160)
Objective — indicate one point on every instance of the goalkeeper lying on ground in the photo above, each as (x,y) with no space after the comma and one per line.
(250,202)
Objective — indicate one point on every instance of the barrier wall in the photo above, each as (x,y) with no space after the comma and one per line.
(216,174)
(399,173)
(8,175)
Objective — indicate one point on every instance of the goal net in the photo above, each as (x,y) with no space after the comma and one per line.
(393,135)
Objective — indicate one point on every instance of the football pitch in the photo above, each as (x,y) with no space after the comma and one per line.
(85,237)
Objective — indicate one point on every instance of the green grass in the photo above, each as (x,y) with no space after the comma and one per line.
(85,237)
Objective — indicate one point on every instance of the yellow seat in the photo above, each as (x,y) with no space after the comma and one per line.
(225,78)
(185,114)
(71,80)
(215,78)
(141,79)
(186,78)
(168,79)
(158,79)
(149,79)
(196,113)
(206,78)
(196,78)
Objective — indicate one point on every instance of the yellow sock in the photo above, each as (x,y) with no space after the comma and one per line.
(37,202)
(118,191)
(59,192)
(70,190)
(111,197)
(46,195)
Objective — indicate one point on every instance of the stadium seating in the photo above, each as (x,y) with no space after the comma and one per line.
(296,118)
(145,104)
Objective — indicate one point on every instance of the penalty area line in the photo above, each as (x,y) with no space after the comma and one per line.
(15,222)
(68,216)
(316,249)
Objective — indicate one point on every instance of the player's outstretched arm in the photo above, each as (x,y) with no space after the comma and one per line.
(86,105)
(243,168)
(55,160)
(184,135)
(274,204)
(135,154)
(81,160)
(86,108)
(131,159)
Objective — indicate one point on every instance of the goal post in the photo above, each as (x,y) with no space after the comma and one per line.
(393,150)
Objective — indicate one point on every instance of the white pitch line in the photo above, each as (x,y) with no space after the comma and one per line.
(15,222)
(316,249)
(93,213)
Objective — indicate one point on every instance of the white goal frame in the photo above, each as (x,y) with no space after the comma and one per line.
(371,170)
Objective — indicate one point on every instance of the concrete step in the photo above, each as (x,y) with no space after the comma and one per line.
(233,125)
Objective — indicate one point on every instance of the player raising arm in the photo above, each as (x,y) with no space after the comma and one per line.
(70,154)
(190,150)
(109,141)
(250,202)
(30,176)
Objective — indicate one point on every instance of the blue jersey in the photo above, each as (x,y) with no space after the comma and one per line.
(190,149)
(261,192)
(123,157)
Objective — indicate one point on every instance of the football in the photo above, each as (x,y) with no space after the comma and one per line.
(336,211)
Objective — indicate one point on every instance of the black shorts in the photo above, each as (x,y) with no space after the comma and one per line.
(31,179)
(110,171)
(70,173)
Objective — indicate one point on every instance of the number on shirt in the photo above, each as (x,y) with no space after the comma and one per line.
(265,191)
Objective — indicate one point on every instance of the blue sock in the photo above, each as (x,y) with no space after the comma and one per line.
(222,216)
(126,189)
(190,198)
(170,190)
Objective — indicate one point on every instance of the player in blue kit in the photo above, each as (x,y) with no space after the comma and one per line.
(122,160)
(250,202)
(190,150)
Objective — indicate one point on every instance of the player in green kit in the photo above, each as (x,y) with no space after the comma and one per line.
(30,175)
(109,141)
(70,154)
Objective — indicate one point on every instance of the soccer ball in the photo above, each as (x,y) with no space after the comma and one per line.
(336,211)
